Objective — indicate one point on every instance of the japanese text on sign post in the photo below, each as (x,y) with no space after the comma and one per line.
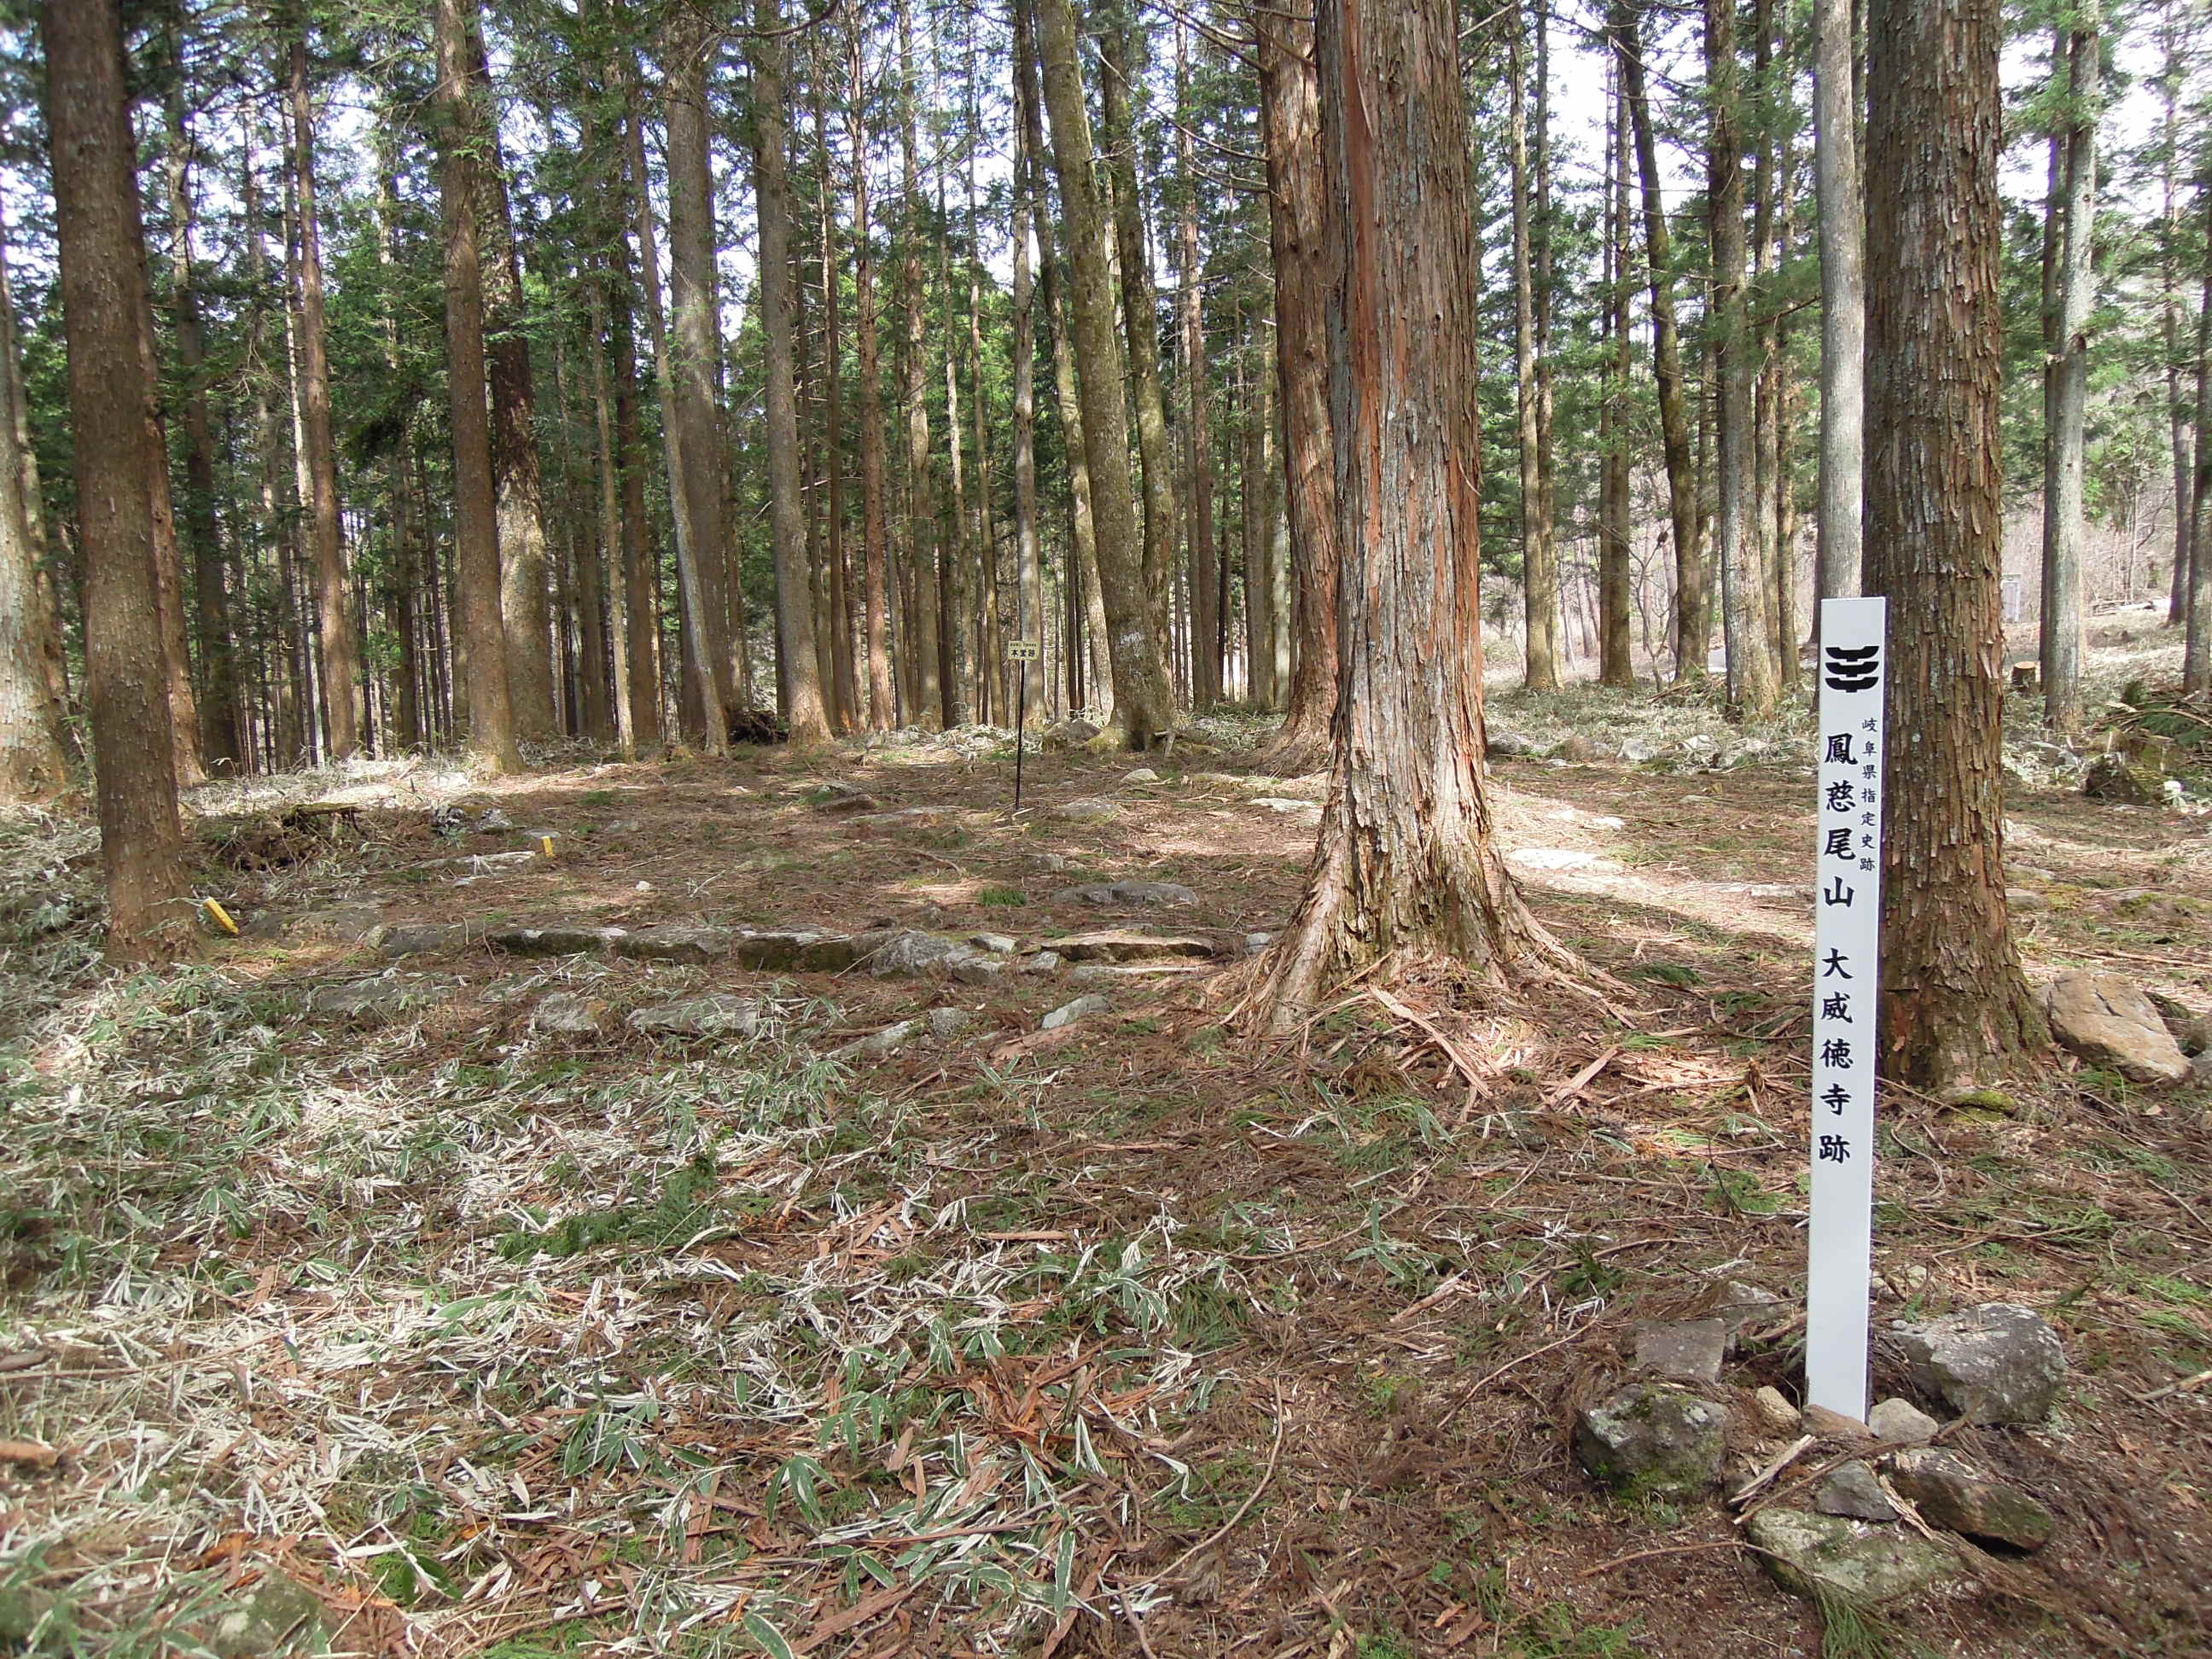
(1847,992)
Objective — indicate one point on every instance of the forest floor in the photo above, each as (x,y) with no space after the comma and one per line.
(407,1324)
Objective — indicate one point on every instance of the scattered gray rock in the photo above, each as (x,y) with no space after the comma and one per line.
(1501,742)
(1087,809)
(891,952)
(419,940)
(1559,857)
(1312,787)
(2109,1022)
(1650,1439)
(1579,746)
(1105,973)
(2110,778)
(1142,775)
(1775,1410)
(563,1014)
(1068,1012)
(1071,733)
(1289,807)
(1637,752)
(1808,1553)
(1850,1490)
(714,1015)
(999,945)
(2200,1071)
(674,943)
(1131,945)
(878,1045)
(557,939)
(946,1023)
(2026,901)
(387,998)
(971,969)
(1044,962)
(1256,942)
(1743,1305)
(842,804)
(1142,895)
(492,822)
(1685,1350)
(1902,1423)
(277,1614)
(796,950)
(2000,1363)
(1951,1493)
(2041,877)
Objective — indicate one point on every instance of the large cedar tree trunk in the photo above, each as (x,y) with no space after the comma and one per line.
(341,642)
(33,764)
(1843,301)
(1142,704)
(1304,263)
(103,295)
(882,698)
(803,713)
(1954,1004)
(491,736)
(1406,863)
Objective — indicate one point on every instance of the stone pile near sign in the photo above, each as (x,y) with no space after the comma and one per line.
(2112,1022)
(1833,1506)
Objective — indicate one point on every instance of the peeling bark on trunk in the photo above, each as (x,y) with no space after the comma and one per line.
(1955,1008)
(1406,863)
(2071,231)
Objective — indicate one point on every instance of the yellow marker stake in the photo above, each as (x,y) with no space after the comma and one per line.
(220,916)
(545,845)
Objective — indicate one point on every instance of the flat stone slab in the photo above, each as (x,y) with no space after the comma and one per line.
(375,1000)
(675,944)
(1951,1493)
(1864,1562)
(1068,1012)
(1089,809)
(1653,1440)
(1902,1423)
(2000,1363)
(416,940)
(1130,895)
(2109,1021)
(563,1014)
(553,938)
(715,1015)
(1685,1351)
(1129,945)
(803,950)
(1110,973)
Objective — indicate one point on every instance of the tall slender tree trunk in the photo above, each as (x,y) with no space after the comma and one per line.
(1406,863)
(805,714)
(1540,570)
(1693,610)
(1954,1004)
(409,733)
(1210,599)
(1843,300)
(1142,704)
(920,644)
(2196,649)
(2071,230)
(1028,543)
(217,691)
(1120,61)
(2172,73)
(33,767)
(104,298)
(688,350)
(491,738)
(1616,513)
(883,699)
(341,647)
(1304,259)
(837,619)
(1754,676)
(516,468)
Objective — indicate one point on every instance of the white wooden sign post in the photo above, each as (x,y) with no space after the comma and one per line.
(1853,668)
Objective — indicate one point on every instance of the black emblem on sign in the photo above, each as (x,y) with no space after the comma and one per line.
(1853,671)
